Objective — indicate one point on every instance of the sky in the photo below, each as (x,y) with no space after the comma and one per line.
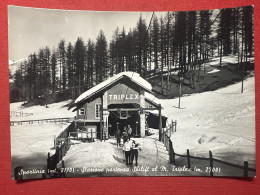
(32,28)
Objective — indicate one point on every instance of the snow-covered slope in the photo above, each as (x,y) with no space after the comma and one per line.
(14,65)
(56,110)
(222,121)
(30,143)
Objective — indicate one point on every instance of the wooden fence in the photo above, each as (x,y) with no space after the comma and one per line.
(53,160)
(50,120)
(62,145)
(19,114)
(83,135)
(64,134)
(172,154)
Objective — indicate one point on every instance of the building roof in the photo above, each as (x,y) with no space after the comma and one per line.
(151,98)
(135,77)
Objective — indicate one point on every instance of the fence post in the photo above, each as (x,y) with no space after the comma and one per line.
(245,169)
(91,135)
(62,150)
(63,166)
(68,144)
(65,146)
(164,138)
(55,142)
(168,144)
(48,162)
(170,150)
(57,154)
(211,163)
(188,158)
(173,157)
(172,127)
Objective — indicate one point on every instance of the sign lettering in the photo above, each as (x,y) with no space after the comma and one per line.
(123,96)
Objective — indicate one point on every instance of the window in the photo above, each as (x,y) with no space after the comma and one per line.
(82,111)
(97,111)
(123,114)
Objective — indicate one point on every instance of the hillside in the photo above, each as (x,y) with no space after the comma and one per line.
(215,77)
(222,121)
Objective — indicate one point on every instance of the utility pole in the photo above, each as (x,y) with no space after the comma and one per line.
(243,75)
(160,122)
(180,80)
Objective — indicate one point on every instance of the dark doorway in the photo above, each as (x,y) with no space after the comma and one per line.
(121,119)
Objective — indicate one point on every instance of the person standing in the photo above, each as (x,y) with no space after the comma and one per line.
(135,149)
(129,131)
(125,135)
(118,137)
(127,149)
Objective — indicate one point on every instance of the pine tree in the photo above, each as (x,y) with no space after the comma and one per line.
(79,55)
(142,44)
(53,72)
(101,58)
(62,64)
(90,62)
(155,46)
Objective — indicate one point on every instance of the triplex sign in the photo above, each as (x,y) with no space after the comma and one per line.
(123,96)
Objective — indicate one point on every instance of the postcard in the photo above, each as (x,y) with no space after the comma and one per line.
(115,94)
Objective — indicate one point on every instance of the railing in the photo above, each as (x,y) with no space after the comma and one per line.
(53,160)
(172,154)
(50,120)
(83,135)
(19,114)
(62,145)
(64,134)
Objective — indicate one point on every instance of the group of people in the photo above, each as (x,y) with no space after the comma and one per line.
(130,147)
(127,133)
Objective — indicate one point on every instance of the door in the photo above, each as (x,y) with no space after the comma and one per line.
(92,130)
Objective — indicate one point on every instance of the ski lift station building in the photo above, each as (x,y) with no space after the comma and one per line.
(122,100)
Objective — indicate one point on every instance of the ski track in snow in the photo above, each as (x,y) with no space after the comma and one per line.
(224,118)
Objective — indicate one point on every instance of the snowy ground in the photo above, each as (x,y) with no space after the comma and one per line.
(30,144)
(222,121)
(215,77)
(106,159)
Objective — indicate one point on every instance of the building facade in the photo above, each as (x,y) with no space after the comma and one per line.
(114,104)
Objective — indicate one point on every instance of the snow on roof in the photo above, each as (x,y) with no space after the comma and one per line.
(135,77)
(151,97)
